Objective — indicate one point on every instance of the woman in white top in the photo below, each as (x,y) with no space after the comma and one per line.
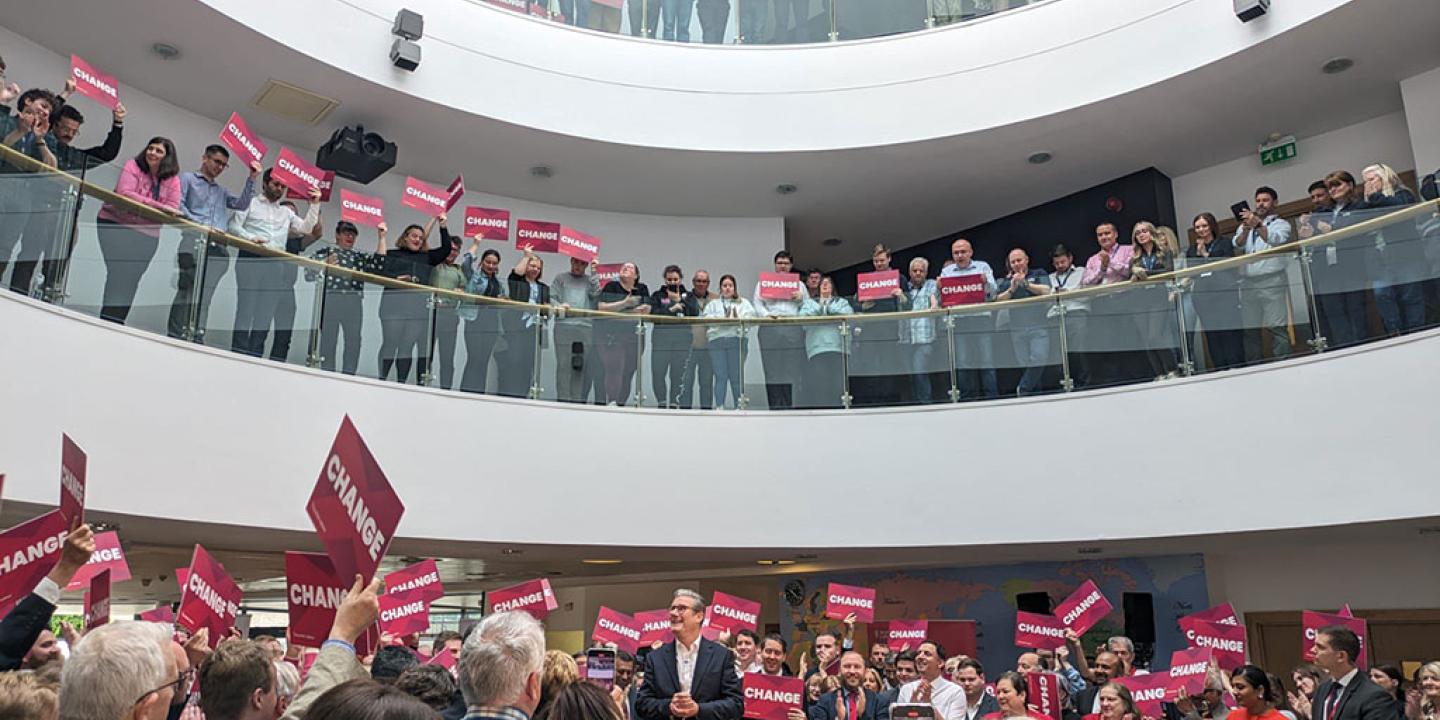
(725,339)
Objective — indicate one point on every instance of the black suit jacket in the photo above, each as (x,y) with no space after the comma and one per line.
(988,704)
(1361,700)
(876,707)
(1085,699)
(715,687)
(20,628)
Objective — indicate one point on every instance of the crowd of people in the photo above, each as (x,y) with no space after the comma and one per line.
(136,670)
(1233,316)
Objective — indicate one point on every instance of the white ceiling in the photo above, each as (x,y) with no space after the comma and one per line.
(903,194)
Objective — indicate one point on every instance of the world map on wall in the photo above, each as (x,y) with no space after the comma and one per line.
(987,595)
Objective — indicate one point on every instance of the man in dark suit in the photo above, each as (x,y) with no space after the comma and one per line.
(970,676)
(1349,694)
(31,616)
(904,672)
(1107,666)
(689,677)
(859,703)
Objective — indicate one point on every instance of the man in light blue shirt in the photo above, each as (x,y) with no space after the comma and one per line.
(973,345)
(1263,284)
(208,203)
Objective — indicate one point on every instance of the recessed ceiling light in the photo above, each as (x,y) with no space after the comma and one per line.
(786,188)
(510,551)
(542,171)
(1089,550)
(775,562)
(806,556)
(1335,66)
(166,51)
(601,561)
(1039,158)
(831,242)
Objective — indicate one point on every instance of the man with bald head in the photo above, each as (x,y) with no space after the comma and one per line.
(974,352)
(1028,333)
(851,701)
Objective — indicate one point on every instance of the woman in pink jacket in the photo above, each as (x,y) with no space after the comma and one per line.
(127,239)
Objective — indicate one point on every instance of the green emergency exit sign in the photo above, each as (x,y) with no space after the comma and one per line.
(1278,151)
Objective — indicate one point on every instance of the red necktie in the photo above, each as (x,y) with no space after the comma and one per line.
(850,705)
(1332,703)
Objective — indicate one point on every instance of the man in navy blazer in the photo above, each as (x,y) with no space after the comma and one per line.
(689,677)
(1349,694)
(859,703)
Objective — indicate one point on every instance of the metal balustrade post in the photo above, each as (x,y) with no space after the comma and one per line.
(313,359)
(201,246)
(846,399)
(639,378)
(950,347)
(1177,289)
(427,351)
(540,320)
(1067,382)
(1317,340)
(834,24)
(743,401)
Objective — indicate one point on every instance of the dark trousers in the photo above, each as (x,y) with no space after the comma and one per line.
(700,370)
(481,335)
(447,332)
(217,263)
(620,355)
(714,18)
(1226,348)
(1076,322)
(825,380)
(782,355)
(342,313)
(576,362)
(651,8)
(283,320)
(127,253)
(403,317)
(517,365)
(42,239)
(576,12)
(259,281)
(1343,317)
(667,367)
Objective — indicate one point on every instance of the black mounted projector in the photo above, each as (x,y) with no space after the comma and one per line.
(356,155)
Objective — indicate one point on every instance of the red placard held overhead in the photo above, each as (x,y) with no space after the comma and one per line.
(605,272)
(28,552)
(1312,622)
(109,556)
(361,209)
(1226,641)
(327,183)
(612,626)
(295,173)
(353,507)
(1188,668)
(1148,691)
(654,627)
(771,697)
(578,245)
(534,597)
(421,580)
(236,135)
(312,593)
(877,285)
(162,614)
(401,615)
(963,290)
(728,612)
(72,482)
(424,197)
(841,600)
(211,598)
(97,601)
(779,286)
(1223,614)
(456,191)
(1044,693)
(94,84)
(902,635)
(540,236)
(487,224)
(1085,607)
(1042,632)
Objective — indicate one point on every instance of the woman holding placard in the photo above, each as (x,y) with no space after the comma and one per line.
(1011,691)
(403,313)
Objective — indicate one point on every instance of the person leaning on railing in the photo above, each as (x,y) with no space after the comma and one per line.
(974,350)
(127,238)
(1337,269)
(22,132)
(1398,267)
(344,294)
(1153,313)
(482,322)
(403,314)
(917,335)
(1029,337)
(1216,296)
(616,338)
(824,348)
(725,338)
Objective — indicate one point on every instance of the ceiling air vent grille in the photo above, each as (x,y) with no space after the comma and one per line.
(292,102)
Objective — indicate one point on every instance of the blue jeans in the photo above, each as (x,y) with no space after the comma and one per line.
(752,19)
(1032,351)
(675,17)
(725,357)
(576,12)
(920,372)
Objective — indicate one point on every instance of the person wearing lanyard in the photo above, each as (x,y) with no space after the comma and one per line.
(1065,278)
(1153,310)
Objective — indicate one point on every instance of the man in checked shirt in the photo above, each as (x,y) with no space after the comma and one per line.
(344,295)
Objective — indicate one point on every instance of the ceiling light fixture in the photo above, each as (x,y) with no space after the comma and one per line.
(1088,550)
(831,242)
(1039,158)
(602,561)
(166,51)
(510,551)
(1335,66)
(542,171)
(786,188)
(774,562)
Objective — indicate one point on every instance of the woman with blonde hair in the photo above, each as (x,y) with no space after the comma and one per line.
(1154,313)
(24,697)
(557,673)
(1427,706)
(1398,268)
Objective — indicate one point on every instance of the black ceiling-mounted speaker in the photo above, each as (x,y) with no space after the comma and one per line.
(1033,602)
(357,155)
(1139,617)
(1248,10)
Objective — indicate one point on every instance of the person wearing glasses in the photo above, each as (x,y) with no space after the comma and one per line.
(122,671)
(689,676)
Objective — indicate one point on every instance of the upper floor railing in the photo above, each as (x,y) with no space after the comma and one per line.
(78,244)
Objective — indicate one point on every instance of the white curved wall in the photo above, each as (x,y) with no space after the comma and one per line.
(173,430)
(1015,66)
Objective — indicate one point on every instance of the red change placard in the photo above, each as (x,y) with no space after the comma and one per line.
(841,600)
(293,172)
(72,482)
(424,197)
(312,593)
(1226,641)
(578,245)
(902,635)
(210,600)
(361,209)
(1085,607)
(1042,632)
(779,286)
(487,223)
(1223,614)
(771,697)
(534,597)
(28,552)
(877,285)
(1188,668)
(162,614)
(327,183)
(445,659)
(1312,622)
(94,84)
(612,626)
(353,507)
(540,236)
(456,191)
(421,580)
(654,627)
(403,615)
(1044,693)
(963,290)
(728,612)
(516,5)
(605,272)
(237,136)
(109,556)
(1148,691)
(97,601)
